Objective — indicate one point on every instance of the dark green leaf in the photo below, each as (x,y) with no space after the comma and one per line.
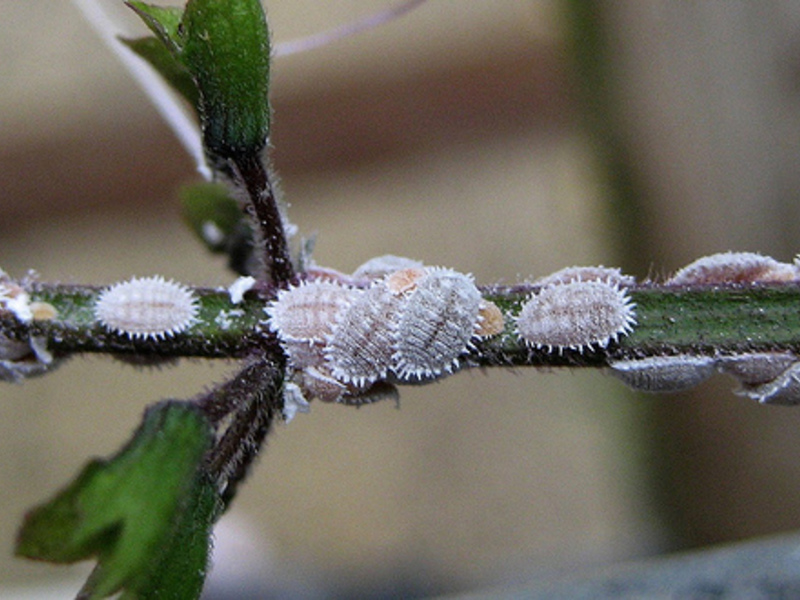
(212,213)
(144,512)
(226,49)
(168,66)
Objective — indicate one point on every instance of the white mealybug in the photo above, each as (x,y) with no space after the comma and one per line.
(663,373)
(303,317)
(147,307)
(576,315)
(784,389)
(359,349)
(599,273)
(437,321)
(735,267)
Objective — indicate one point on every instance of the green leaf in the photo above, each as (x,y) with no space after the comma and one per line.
(164,21)
(168,66)
(212,213)
(146,513)
(226,49)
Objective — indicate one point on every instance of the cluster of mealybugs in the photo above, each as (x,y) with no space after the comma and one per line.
(768,377)
(410,324)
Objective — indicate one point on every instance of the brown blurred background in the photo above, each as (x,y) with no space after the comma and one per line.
(462,135)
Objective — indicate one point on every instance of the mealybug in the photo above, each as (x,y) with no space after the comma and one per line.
(735,267)
(436,323)
(663,373)
(147,307)
(576,315)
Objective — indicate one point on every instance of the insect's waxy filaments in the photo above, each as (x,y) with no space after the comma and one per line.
(598,273)
(576,315)
(147,307)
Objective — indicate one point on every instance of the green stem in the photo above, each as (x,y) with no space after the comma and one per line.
(697,320)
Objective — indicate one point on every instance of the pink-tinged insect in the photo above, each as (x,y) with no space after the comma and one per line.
(735,267)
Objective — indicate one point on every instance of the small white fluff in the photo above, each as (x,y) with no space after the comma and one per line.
(240,287)
(293,401)
(147,307)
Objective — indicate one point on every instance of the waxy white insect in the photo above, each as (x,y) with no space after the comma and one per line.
(576,315)
(147,307)
(303,316)
(360,347)
(735,267)
(664,373)
(435,324)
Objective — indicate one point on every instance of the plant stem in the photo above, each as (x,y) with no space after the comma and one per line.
(255,179)
(250,402)
(686,319)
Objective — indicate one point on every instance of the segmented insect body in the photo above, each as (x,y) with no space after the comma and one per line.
(303,317)
(147,307)
(359,348)
(663,373)
(436,322)
(576,315)
(735,267)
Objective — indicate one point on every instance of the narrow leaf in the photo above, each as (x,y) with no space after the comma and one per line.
(167,65)
(164,21)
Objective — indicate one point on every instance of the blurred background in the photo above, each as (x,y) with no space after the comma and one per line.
(508,139)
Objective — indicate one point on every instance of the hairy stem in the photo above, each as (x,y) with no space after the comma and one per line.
(671,319)
(255,178)
(243,409)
